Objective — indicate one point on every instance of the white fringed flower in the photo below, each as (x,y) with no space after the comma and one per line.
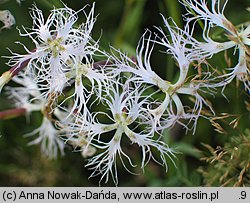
(58,46)
(126,105)
(238,39)
(26,96)
(178,43)
(48,138)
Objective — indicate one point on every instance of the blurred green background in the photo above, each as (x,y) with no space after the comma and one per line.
(120,23)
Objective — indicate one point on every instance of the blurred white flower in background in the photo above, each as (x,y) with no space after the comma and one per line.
(59,45)
(48,139)
(7,18)
(128,118)
(26,97)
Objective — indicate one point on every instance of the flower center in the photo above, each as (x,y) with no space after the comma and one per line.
(55,46)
